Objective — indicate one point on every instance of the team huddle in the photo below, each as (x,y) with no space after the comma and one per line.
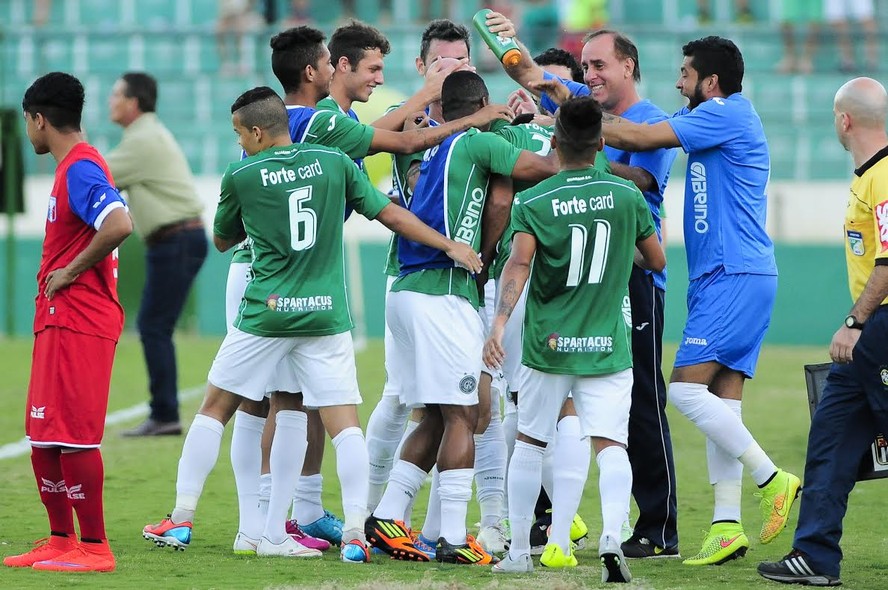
(524,310)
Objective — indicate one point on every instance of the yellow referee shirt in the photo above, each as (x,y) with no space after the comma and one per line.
(866,222)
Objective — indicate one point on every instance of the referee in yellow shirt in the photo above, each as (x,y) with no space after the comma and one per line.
(151,167)
(854,406)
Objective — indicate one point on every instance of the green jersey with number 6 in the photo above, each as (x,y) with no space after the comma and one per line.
(586,223)
(533,138)
(291,202)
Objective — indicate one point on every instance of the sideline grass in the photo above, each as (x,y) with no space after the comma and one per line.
(141,486)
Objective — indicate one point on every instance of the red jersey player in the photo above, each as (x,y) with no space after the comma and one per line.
(76,328)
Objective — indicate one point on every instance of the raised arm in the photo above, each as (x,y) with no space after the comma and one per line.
(429,93)
(410,142)
(637,137)
(526,70)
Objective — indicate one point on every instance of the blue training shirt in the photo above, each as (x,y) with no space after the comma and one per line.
(725,200)
(576,89)
(657,163)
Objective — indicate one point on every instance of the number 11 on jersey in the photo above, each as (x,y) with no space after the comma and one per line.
(579,235)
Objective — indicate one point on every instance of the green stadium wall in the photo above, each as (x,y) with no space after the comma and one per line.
(812,297)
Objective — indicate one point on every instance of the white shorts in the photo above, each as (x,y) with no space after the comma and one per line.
(513,337)
(488,312)
(246,364)
(839,10)
(392,370)
(438,341)
(602,403)
(239,274)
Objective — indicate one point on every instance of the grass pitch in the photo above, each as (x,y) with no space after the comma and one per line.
(141,475)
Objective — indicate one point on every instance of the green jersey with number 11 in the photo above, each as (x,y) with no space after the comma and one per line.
(586,223)
(291,201)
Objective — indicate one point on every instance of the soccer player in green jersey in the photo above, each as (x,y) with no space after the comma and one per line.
(301,62)
(290,200)
(438,333)
(357,52)
(579,232)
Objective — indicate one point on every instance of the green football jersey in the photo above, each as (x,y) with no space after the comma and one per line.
(533,138)
(291,202)
(326,125)
(400,165)
(449,197)
(586,223)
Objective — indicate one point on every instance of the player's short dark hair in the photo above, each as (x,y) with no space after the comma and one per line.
(462,94)
(720,56)
(293,50)
(443,29)
(142,87)
(355,39)
(555,56)
(578,127)
(262,107)
(58,97)
(624,48)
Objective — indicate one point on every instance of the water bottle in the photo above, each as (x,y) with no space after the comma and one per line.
(505,48)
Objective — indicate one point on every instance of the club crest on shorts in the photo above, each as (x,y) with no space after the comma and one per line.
(468,384)
(884,375)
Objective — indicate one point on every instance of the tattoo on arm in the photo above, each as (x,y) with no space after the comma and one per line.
(508,299)
(611,119)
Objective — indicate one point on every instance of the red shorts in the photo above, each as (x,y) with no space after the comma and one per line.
(68,392)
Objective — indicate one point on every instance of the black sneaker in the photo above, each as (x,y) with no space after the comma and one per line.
(638,547)
(469,553)
(539,534)
(795,569)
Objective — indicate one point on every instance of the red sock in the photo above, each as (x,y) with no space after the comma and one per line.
(85,477)
(46,462)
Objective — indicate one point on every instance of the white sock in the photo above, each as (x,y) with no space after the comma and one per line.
(490,470)
(404,481)
(431,528)
(199,454)
(384,432)
(725,475)
(246,462)
(574,454)
(547,477)
(307,504)
(760,466)
(510,430)
(524,488)
(411,426)
(264,494)
(455,490)
(352,467)
(287,456)
(713,418)
(615,487)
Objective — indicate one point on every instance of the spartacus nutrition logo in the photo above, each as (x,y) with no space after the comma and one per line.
(552,340)
(280,303)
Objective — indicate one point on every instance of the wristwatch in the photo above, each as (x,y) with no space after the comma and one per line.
(851,322)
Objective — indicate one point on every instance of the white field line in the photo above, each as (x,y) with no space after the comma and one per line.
(21,447)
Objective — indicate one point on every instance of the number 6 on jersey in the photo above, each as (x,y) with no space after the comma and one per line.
(303,221)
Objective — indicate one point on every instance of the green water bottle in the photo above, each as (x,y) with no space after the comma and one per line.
(505,48)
